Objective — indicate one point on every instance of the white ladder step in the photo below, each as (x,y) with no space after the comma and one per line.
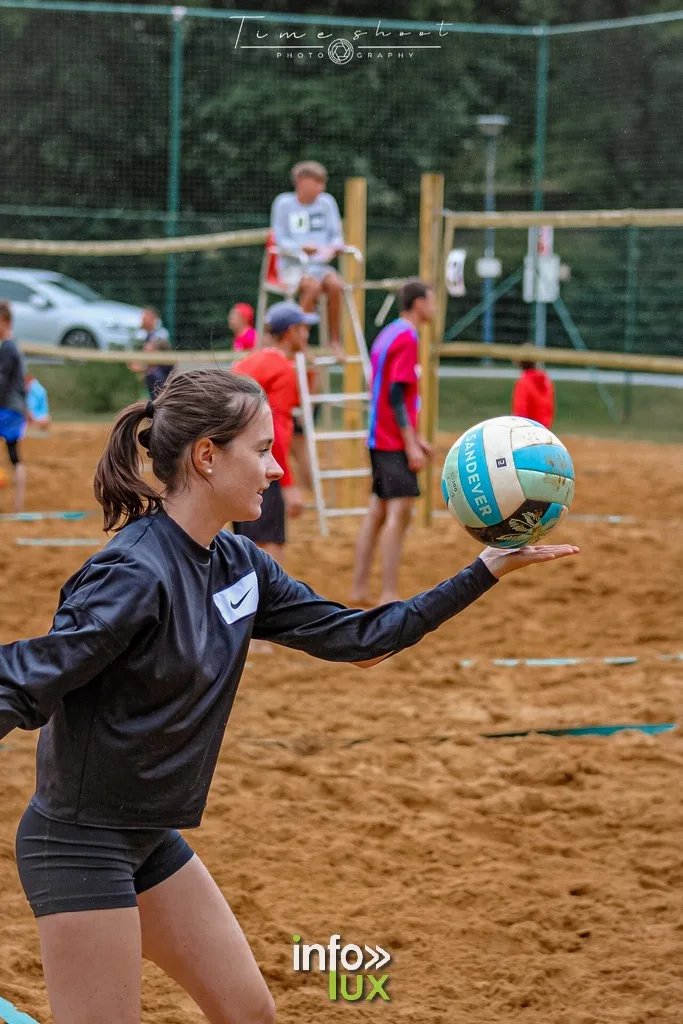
(339,435)
(343,474)
(313,436)
(333,361)
(337,397)
(337,513)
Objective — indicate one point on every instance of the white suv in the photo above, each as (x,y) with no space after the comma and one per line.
(53,309)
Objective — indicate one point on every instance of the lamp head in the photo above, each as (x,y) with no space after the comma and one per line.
(492,125)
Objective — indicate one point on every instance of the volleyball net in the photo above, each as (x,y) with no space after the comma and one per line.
(601,279)
(605,280)
(544,262)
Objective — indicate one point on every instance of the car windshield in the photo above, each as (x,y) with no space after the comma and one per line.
(81,291)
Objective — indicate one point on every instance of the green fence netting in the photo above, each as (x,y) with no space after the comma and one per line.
(124,122)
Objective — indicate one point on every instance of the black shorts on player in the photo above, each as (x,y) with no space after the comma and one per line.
(298,420)
(270,527)
(391,476)
(64,866)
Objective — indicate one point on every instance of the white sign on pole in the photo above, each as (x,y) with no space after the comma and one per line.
(541,267)
(455,272)
(544,246)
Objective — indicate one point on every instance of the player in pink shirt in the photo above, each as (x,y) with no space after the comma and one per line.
(241,323)
(397,451)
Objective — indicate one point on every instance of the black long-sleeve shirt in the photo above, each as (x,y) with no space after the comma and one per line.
(12,372)
(135,681)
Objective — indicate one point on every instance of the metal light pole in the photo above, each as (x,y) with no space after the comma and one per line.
(491,126)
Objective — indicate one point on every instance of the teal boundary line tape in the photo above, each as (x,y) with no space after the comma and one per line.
(11,1015)
(59,542)
(623,659)
(584,730)
(33,517)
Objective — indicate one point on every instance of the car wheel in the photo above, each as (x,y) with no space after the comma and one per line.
(79,338)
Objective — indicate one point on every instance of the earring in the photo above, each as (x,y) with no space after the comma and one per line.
(209,471)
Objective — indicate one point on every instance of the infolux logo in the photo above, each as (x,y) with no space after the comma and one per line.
(335,959)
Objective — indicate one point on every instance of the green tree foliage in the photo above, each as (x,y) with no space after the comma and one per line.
(85,99)
(88,125)
(85,108)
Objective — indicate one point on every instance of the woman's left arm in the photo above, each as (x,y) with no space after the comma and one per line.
(292,614)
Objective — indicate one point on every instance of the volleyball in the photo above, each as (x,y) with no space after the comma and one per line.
(508,481)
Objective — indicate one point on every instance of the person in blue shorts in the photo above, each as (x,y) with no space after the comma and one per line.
(12,401)
(132,689)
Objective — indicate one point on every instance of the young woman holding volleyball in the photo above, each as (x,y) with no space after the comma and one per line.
(133,687)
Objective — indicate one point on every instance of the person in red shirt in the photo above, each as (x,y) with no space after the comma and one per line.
(397,450)
(287,329)
(241,323)
(533,395)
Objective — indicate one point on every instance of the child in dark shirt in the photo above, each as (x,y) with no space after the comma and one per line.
(156,376)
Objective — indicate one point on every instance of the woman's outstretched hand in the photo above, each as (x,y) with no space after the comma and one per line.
(500,562)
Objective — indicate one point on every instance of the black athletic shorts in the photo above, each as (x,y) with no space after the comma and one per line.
(270,528)
(298,420)
(391,477)
(65,867)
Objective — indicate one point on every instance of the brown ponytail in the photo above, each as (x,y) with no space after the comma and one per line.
(198,403)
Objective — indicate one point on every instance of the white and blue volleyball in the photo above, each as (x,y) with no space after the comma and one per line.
(508,481)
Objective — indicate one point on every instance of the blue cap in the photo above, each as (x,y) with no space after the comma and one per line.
(283,315)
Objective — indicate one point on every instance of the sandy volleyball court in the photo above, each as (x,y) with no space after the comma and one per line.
(530,879)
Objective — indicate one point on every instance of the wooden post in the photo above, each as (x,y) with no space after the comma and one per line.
(529,219)
(355,233)
(432,273)
(442,292)
(441,297)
